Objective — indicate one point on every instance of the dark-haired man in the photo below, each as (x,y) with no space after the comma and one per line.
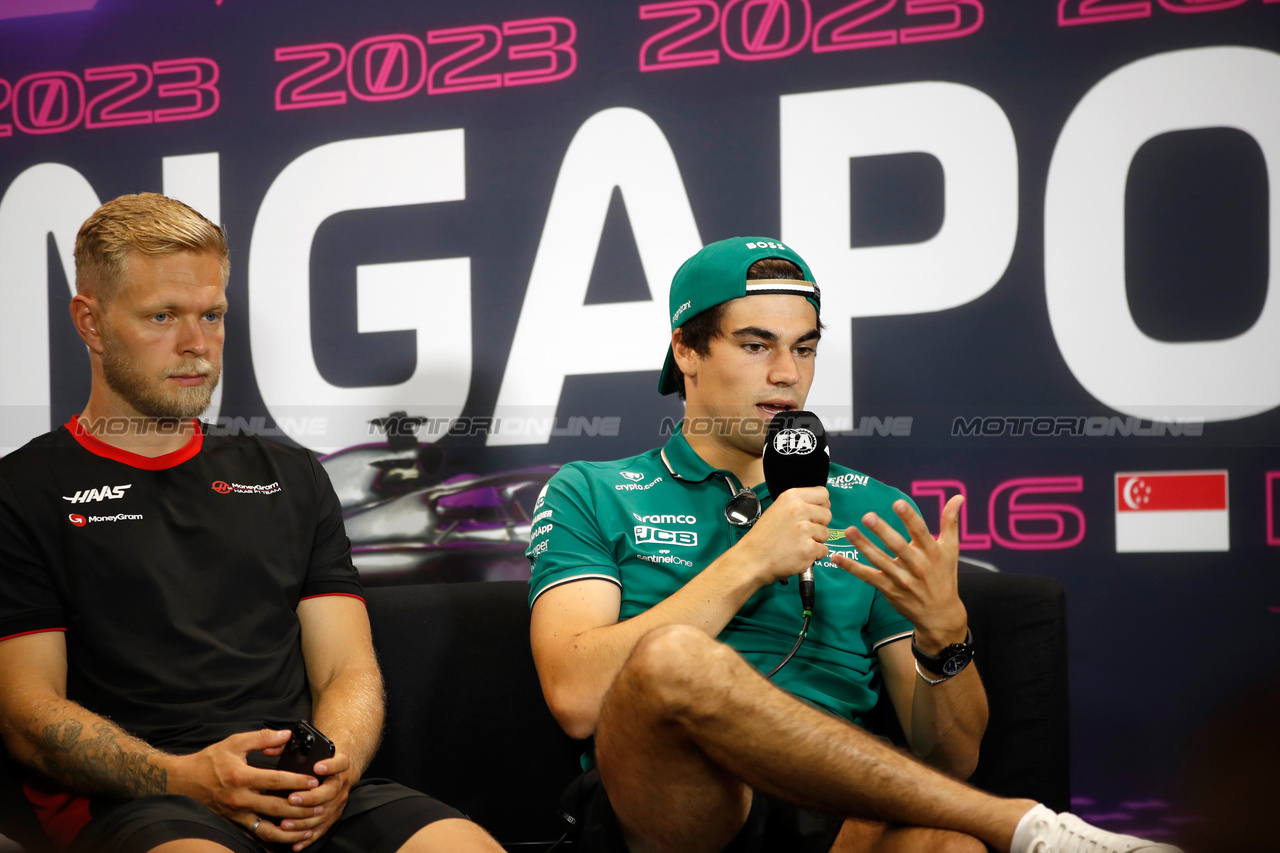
(163,593)
(657,605)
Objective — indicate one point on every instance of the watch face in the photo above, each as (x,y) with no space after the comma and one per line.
(954,664)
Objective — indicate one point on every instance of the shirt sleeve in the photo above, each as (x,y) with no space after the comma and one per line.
(29,600)
(330,571)
(566,543)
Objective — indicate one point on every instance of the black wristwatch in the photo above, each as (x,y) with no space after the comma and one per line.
(948,662)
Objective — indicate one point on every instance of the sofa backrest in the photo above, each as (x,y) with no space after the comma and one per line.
(466,721)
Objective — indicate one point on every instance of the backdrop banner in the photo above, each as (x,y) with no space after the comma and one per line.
(1044,230)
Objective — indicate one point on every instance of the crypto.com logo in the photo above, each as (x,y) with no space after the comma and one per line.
(36,8)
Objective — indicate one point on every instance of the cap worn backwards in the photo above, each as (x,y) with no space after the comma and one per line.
(718,273)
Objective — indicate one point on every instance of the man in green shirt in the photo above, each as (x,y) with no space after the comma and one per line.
(658,602)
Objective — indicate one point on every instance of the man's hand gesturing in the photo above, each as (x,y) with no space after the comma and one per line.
(791,535)
(921,582)
(221,778)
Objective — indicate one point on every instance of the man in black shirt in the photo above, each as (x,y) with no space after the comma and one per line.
(163,592)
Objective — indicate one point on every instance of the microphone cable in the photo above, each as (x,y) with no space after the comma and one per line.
(806,601)
(804,629)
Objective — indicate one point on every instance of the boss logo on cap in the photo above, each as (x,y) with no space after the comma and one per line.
(767,246)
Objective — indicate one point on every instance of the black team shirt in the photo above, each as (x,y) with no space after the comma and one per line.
(175,578)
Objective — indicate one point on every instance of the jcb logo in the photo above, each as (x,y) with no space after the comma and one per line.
(665,537)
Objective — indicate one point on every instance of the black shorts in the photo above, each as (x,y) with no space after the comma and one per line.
(379,818)
(771,825)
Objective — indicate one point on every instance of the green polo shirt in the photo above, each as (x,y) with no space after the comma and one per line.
(651,522)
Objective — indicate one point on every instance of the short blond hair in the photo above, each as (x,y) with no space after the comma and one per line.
(147,223)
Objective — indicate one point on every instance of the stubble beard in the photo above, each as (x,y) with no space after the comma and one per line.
(151,399)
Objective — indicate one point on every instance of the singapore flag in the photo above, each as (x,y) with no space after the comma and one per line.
(1172,511)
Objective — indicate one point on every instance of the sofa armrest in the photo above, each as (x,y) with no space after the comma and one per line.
(466,721)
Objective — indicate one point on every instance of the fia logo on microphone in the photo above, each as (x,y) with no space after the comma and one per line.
(790,442)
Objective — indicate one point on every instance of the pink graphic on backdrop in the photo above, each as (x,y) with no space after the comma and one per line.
(1020,513)
(1273,534)
(1073,12)
(36,8)
(942,489)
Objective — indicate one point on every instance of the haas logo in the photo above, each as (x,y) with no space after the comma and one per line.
(221,487)
(106,493)
(790,442)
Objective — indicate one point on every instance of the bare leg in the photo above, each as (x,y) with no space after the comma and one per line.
(688,729)
(190,845)
(870,836)
(448,836)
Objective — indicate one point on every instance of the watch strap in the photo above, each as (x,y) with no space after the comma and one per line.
(950,661)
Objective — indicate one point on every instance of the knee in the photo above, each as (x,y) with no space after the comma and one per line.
(677,665)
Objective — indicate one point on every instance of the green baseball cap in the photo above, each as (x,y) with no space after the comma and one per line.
(718,273)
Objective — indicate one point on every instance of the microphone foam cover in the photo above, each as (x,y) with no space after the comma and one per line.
(795,452)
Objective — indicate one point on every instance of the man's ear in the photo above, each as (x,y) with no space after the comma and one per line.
(85,313)
(687,359)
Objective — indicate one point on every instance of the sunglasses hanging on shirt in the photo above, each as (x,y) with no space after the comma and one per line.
(743,509)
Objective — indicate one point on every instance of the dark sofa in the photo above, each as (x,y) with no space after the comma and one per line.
(466,721)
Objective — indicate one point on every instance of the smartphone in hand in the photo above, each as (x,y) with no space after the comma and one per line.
(307,746)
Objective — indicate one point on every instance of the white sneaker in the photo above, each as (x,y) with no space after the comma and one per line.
(1066,833)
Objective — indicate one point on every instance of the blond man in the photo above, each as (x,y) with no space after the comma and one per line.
(163,592)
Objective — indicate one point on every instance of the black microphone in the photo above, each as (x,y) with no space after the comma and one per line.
(796,456)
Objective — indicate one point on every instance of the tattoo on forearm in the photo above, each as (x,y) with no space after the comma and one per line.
(102,760)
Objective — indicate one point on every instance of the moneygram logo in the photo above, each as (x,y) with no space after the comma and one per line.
(222,487)
(657,535)
(80,521)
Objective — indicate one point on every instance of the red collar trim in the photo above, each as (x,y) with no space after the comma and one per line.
(98,447)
